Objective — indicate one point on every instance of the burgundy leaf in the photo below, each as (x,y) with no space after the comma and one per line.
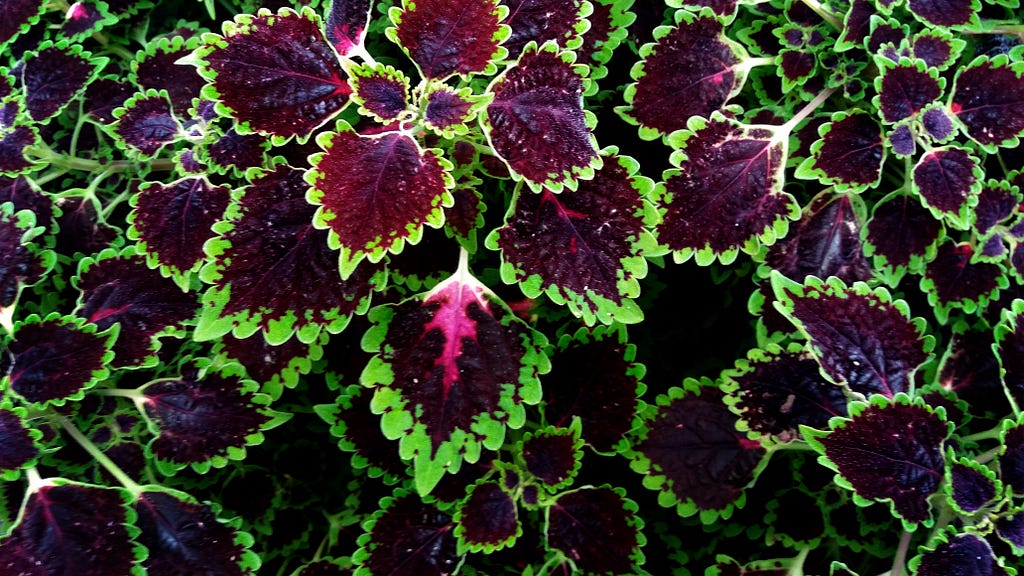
(466,214)
(381,91)
(997,201)
(970,488)
(238,151)
(937,48)
(20,264)
(885,32)
(945,13)
(448,109)
(81,231)
(86,17)
(445,38)
(693,445)
(889,450)
(849,154)
(346,24)
(18,446)
(694,63)
(726,192)
(173,221)
(796,67)
(185,537)
(1009,348)
(54,76)
(553,456)
(12,150)
(856,24)
(158,70)
(123,290)
(905,89)
(970,368)
(988,98)
(901,234)
(104,95)
(597,529)
(960,554)
(57,358)
(948,179)
(410,538)
(861,337)
(539,21)
(487,519)
(276,73)
(952,280)
(536,121)
(17,16)
(271,269)
(70,529)
(274,367)
(147,123)
(358,431)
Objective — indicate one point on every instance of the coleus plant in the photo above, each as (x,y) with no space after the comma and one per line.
(314,287)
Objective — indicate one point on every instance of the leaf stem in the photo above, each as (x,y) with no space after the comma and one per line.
(901,554)
(827,16)
(64,161)
(99,456)
(787,128)
(797,568)
(990,434)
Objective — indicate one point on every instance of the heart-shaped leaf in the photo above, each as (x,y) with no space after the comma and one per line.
(598,530)
(487,520)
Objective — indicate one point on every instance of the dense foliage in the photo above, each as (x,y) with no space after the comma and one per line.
(537,287)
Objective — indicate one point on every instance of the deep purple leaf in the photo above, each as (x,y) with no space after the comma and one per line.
(859,336)
(970,368)
(147,123)
(944,13)
(358,431)
(947,178)
(902,233)
(596,529)
(952,280)
(938,124)
(1011,529)
(81,231)
(445,38)
(17,15)
(410,538)
(447,108)
(487,519)
(381,91)
(856,23)
(539,21)
(726,193)
(961,554)
(173,221)
(376,193)
(996,202)
(104,95)
(988,97)
(553,456)
(777,391)
(885,32)
(85,18)
(56,359)
(536,121)
(17,442)
(936,48)
(20,265)
(905,89)
(466,214)
(902,140)
(693,442)
(849,153)
(692,63)
(276,73)
(890,450)
(54,76)
(123,290)
(267,364)
(70,529)
(158,70)
(1011,460)
(12,150)
(185,538)
(238,151)
(970,488)
(9,113)
(346,24)
(796,67)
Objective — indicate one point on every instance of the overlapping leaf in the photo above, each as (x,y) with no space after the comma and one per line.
(445,38)
(553,456)
(21,442)
(953,280)
(542,20)
(346,24)
(948,181)
(22,263)
(407,538)
(849,154)
(147,123)
(987,97)
(958,553)
(56,75)
(901,235)
(598,530)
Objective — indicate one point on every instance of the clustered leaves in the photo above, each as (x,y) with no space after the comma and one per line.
(335,287)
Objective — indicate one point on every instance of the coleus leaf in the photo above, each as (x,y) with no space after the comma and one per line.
(953,281)
(598,530)
(184,536)
(901,234)
(997,201)
(104,95)
(890,449)
(157,68)
(454,369)
(948,181)
(542,20)
(861,337)
(553,455)
(17,16)
(234,152)
(382,92)
(273,367)
(1011,455)
(271,270)
(146,123)
(958,553)
(406,537)
(849,154)
(1010,529)
(691,452)
(796,67)
(57,358)
(905,88)
(774,391)
(375,193)
(725,194)
(970,368)
(585,249)
(204,417)
(609,24)
(487,520)
(21,443)
(986,98)
(938,124)
(55,75)
(938,48)
(13,144)
(275,73)
(85,18)
(444,38)
(118,288)
(346,24)
(1009,348)
(22,262)
(448,111)
(691,61)
(970,485)
(172,221)
(71,528)
(359,433)
(945,13)
(536,122)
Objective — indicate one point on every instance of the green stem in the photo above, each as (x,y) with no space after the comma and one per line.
(786,129)
(99,456)
(797,568)
(66,162)
(990,434)
(986,457)
(825,13)
(901,554)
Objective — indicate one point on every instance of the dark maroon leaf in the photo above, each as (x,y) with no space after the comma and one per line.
(996,202)
(987,97)
(885,32)
(970,368)
(796,67)
(185,537)
(447,108)
(849,154)
(1009,350)
(18,446)
(596,528)
(960,554)
(536,121)
(826,241)
(947,179)
(1011,460)
(445,38)
(81,231)
(901,234)
(205,417)
(726,193)
(466,214)
(158,70)
(692,63)
(9,114)
(17,16)
(952,280)
(553,456)
(777,391)
(274,367)
(906,88)
(121,289)
(856,24)
(12,150)
(86,17)
(1011,529)
(57,358)
(276,73)
(693,445)
(970,488)
(539,21)
(104,95)
(859,336)
(358,431)
(146,122)
(171,222)
(944,13)
(487,519)
(380,91)
(346,24)
(54,76)
(238,151)
(272,270)
(70,529)
(20,265)
(938,49)
(937,123)
(410,538)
